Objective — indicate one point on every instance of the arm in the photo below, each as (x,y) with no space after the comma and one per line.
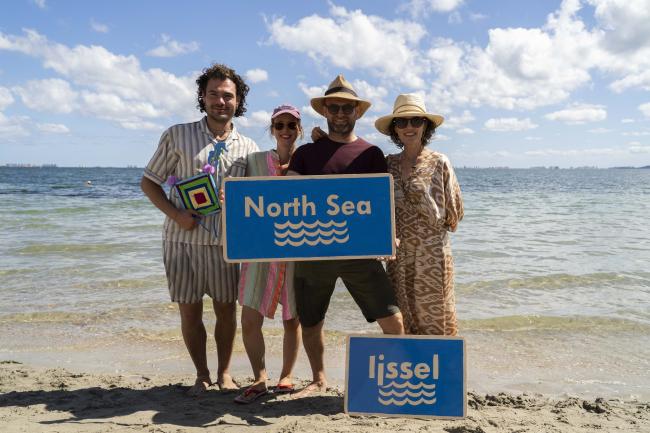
(454,209)
(184,218)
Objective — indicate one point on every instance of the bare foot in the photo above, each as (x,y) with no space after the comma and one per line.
(310,389)
(227,383)
(200,386)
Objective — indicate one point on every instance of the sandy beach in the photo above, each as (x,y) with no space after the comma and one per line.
(57,400)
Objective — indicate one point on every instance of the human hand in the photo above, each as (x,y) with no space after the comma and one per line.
(187,219)
(222,196)
(317,133)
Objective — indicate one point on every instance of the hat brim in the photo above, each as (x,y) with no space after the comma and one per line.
(383,123)
(318,104)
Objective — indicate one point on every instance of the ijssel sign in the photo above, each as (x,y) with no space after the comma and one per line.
(308,217)
(422,376)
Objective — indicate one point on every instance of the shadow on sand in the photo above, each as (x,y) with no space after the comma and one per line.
(170,405)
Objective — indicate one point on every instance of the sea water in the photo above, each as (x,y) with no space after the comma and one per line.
(552,280)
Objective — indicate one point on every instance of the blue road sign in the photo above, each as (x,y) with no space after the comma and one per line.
(407,375)
(308,217)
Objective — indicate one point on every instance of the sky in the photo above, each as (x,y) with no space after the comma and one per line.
(519,83)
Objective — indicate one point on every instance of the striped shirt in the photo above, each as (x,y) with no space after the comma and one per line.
(182,152)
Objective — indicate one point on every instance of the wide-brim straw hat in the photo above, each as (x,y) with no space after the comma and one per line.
(407,105)
(340,88)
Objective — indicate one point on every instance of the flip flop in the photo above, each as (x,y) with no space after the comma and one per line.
(250,395)
(284,388)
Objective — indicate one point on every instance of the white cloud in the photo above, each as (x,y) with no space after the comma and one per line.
(532,138)
(98,27)
(51,95)
(312,91)
(308,110)
(639,149)
(54,128)
(441,137)
(374,94)
(506,124)
(456,121)
(577,114)
(419,8)
(627,120)
(573,152)
(142,125)
(636,134)
(645,109)
(600,130)
(5,98)
(257,75)
(386,48)
(465,131)
(14,126)
(172,48)
(455,18)
(106,85)
(40,3)
(477,16)
(255,119)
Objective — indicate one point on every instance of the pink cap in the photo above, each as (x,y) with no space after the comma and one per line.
(286,108)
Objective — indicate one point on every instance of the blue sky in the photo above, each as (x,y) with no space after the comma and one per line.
(519,83)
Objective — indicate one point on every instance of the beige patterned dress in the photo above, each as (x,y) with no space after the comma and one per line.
(428,205)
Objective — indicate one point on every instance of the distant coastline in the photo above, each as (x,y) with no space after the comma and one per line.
(552,167)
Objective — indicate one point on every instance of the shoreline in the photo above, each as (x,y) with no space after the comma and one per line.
(41,399)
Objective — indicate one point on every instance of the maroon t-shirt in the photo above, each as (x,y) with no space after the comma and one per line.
(330,157)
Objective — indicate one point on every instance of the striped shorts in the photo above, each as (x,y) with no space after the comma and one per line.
(196,270)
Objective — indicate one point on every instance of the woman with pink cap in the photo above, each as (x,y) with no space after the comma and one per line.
(262,286)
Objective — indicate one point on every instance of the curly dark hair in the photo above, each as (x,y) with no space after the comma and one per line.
(429,130)
(221,72)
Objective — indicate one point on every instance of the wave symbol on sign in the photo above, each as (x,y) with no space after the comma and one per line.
(394,395)
(311,234)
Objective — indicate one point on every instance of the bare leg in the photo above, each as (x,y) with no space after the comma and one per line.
(224,335)
(314,343)
(392,324)
(290,345)
(195,336)
(251,326)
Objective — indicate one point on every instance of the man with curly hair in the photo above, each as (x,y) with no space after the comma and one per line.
(192,255)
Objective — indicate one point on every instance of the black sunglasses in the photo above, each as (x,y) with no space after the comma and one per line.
(401,122)
(280,126)
(334,108)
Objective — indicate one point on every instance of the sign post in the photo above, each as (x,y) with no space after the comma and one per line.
(406,375)
(308,217)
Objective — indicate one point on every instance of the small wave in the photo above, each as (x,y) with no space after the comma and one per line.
(302,224)
(395,393)
(549,282)
(554,323)
(315,242)
(410,385)
(405,401)
(39,249)
(317,232)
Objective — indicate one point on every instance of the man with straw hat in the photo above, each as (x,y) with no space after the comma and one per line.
(340,152)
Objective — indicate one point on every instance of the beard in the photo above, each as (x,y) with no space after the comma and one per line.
(342,128)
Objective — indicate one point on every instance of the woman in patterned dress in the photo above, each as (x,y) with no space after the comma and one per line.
(428,205)
(262,286)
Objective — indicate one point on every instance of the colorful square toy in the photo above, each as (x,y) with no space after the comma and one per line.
(199,193)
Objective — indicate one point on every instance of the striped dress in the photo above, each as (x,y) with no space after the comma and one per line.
(264,285)
(428,205)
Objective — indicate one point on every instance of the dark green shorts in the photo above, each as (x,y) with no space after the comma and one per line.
(365,279)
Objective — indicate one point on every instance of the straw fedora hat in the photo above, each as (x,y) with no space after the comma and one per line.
(407,105)
(339,88)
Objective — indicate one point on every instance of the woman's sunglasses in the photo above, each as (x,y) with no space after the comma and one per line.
(334,108)
(401,122)
(280,126)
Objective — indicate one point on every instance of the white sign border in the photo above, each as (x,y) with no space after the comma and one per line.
(305,259)
(414,337)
